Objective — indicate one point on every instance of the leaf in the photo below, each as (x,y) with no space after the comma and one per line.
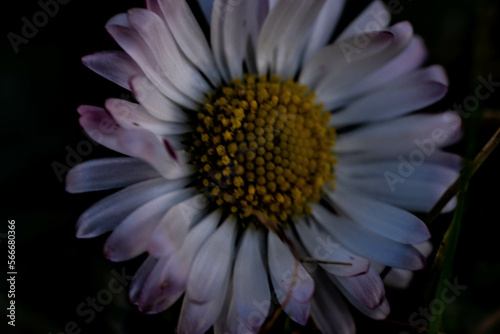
(443,263)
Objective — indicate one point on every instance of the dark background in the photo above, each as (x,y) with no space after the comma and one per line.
(42,85)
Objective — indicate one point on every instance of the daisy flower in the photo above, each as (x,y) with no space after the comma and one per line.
(268,163)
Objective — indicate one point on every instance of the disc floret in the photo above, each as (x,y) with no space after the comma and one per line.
(263,147)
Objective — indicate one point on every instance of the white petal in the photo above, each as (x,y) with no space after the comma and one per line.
(229,321)
(334,93)
(373,18)
(199,317)
(356,296)
(116,66)
(155,102)
(381,218)
(379,313)
(177,144)
(367,288)
(106,214)
(250,280)
(261,13)
(412,195)
(298,311)
(170,59)
(227,313)
(435,156)
(140,278)
(212,264)
(235,26)
(189,36)
(239,22)
(153,5)
(133,116)
(281,266)
(299,287)
(353,164)
(289,51)
(321,247)
(400,278)
(137,48)
(232,26)
(163,290)
(405,168)
(435,73)
(328,309)
(402,135)
(279,17)
(367,244)
(280,43)
(217,38)
(174,226)
(138,143)
(392,101)
(324,26)
(272,3)
(102,174)
(398,69)
(148,300)
(425,248)
(332,59)
(120,19)
(131,237)
(414,189)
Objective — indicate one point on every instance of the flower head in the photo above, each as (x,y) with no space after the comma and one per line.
(269,162)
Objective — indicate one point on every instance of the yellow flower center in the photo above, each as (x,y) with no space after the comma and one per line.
(263,148)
